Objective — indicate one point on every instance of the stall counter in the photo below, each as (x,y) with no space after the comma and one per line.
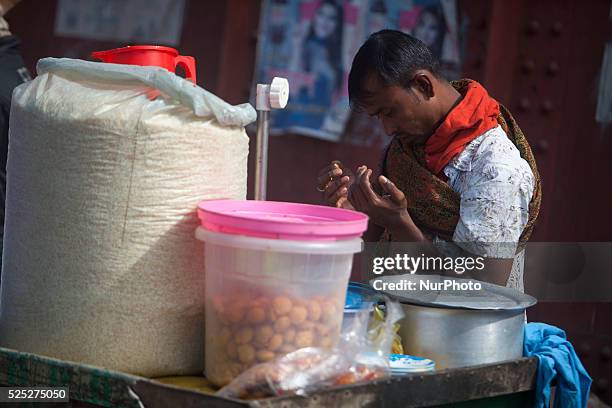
(505,384)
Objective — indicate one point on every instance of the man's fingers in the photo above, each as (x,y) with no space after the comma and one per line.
(363,182)
(331,172)
(361,194)
(361,171)
(356,198)
(366,187)
(338,194)
(337,183)
(324,179)
(395,193)
(334,186)
(343,202)
(329,168)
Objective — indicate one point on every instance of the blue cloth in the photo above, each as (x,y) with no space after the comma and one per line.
(557,360)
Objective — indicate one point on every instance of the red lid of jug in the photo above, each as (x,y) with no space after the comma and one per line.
(150,55)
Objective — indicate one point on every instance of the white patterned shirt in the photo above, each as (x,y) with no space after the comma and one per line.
(495,185)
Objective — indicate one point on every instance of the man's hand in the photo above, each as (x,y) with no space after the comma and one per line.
(334,182)
(389,210)
(386,210)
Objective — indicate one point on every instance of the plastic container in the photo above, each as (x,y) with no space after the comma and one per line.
(280,220)
(150,55)
(401,364)
(266,297)
(360,299)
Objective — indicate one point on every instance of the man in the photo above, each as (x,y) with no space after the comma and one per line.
(458,173)
(12,73)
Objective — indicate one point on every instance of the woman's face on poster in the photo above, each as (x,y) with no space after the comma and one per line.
(427,28)
(324,22)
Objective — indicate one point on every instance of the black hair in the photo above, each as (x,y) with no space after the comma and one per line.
(394,57)
(333,44)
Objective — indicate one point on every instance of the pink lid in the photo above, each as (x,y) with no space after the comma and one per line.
(279,220)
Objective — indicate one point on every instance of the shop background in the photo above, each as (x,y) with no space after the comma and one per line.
(543,59)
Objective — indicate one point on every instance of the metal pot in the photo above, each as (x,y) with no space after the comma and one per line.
(462,337)
(458,328)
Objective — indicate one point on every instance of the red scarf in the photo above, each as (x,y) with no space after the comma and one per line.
(475,114)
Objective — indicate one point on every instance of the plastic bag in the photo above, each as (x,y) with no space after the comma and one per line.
(201,102)
(357,357)
(378,316)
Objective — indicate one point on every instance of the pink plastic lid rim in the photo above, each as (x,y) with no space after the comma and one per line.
(280,220)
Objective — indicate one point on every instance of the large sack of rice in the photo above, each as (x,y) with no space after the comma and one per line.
(100,261)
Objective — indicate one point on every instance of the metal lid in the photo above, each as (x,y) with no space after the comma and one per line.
(451,292)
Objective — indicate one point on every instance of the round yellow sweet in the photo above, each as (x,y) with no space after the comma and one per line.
(265,355)
(322,329)
(231,350)
(256,315)
(329,313)
(325,342)
(289,336)
(220,375)
(271,315)
(244,335)
(282,324)
(263,334)
(314,310)
(286,348)
(275,342)
(281,305)
(298,314)
(306,324)
(304,338)
(246,353)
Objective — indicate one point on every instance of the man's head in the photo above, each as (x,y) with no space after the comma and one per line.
(395,78)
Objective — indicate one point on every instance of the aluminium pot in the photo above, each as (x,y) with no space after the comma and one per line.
(459,328)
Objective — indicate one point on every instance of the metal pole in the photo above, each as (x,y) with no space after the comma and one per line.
(261,165)
(272,96)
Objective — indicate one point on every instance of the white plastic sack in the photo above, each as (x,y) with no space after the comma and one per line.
(100,262)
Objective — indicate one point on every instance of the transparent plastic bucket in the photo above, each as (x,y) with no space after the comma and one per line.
(268,297)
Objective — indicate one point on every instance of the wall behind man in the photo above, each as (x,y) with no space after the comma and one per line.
(33,21)
(541,59)
(510,47)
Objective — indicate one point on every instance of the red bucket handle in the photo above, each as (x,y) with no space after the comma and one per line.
(188,64)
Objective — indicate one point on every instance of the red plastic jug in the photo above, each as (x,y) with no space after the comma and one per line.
(150,55)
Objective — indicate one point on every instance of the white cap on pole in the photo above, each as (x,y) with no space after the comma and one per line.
(272,96)
(269,96)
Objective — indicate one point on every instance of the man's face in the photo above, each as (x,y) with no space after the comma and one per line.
(404,112)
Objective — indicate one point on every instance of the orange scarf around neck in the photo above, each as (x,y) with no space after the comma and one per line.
(475,113)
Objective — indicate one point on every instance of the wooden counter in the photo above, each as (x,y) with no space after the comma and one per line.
(505,384)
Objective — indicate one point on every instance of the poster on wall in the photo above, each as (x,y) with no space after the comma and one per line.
(150,21)
(312,44)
